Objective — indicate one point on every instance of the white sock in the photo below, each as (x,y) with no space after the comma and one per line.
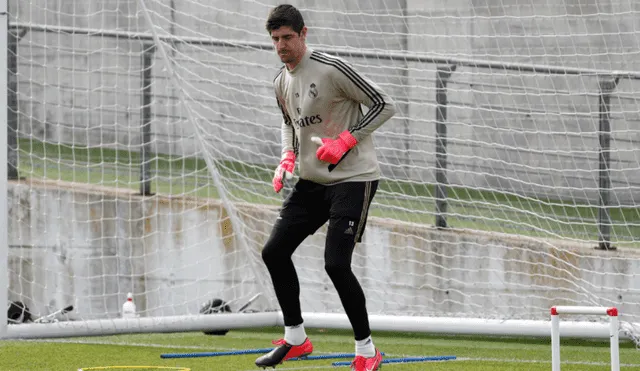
(295,335)
(365,348)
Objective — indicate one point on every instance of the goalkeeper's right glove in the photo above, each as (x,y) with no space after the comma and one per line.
(285,169)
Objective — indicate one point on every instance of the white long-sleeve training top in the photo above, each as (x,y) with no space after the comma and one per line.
(323,96)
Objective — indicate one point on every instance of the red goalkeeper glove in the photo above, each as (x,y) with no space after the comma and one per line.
(285,169)
(332,150)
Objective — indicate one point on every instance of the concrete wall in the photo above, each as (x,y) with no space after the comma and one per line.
(531,134)
(89,247)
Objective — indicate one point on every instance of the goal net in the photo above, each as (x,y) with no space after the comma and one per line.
(143,135)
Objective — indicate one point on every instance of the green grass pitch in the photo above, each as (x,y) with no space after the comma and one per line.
(473,353)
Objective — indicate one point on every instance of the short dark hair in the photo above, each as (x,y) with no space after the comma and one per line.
(285,15)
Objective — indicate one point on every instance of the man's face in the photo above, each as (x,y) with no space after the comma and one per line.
(288,44)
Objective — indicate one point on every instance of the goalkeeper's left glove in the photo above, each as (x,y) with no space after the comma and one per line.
(332,150)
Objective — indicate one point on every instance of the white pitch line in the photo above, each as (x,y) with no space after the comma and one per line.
(465,359)
(297,368)
(513,360)
(143,345)
(524,361)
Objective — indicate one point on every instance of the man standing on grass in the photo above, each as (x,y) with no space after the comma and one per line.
(325,128)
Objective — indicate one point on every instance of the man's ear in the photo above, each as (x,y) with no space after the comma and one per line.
(303,32)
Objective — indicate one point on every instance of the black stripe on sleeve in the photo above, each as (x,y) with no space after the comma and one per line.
(287,119)
(357,80)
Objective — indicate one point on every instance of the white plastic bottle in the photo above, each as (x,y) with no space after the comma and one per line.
(129,307)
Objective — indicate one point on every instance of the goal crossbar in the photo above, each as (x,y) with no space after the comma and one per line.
(433,325)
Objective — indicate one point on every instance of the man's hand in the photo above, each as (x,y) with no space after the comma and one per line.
(332,150)
(285,169)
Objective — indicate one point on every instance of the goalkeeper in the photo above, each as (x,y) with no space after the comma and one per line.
(324,127)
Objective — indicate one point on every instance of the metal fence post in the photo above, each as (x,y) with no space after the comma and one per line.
(145,114)
(607,86)
(442,77)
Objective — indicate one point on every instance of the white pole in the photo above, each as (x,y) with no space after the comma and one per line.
(555,342)
(615,351)
(4,226)
(119,326)
(461,326)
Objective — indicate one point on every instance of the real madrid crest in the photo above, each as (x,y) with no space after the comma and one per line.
(313,92)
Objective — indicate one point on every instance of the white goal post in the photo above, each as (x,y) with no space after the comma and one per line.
(143,134)
(4,243)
